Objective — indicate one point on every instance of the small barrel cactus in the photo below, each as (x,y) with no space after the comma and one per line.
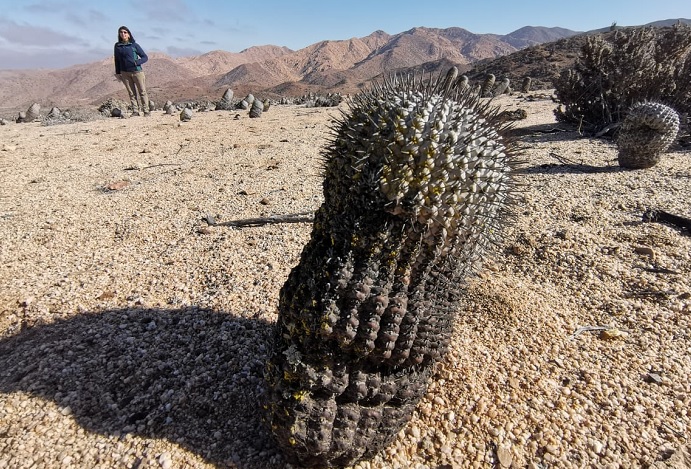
(186,115)
(525,86)
(462,83)
(646,132)
(417,180)
(256,109)
(487,86)
(503,87)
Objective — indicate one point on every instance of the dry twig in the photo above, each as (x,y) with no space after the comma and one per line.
(306,217)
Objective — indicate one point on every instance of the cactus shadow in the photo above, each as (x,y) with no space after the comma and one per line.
(191,376)
(568,168)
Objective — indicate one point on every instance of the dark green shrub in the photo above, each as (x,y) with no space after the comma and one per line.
(627,66)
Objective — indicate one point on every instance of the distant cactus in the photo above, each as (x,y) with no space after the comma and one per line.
(646,132)
(462,83)
(525,86)
(256,109)
(226,102)
(31,114)
(186,114)
(417,178)
(503,87)
(487,85)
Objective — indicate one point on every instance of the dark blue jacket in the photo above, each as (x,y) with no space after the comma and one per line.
(129,57)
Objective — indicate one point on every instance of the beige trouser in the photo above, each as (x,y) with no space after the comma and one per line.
(135,83)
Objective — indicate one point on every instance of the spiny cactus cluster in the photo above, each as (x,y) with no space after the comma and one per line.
(646,132)
(624,67)
(417,182)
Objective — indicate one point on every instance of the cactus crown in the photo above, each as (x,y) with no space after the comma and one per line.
(424,150)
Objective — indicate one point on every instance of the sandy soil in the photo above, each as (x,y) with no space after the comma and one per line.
(132,333)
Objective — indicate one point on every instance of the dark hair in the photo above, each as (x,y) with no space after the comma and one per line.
(125,28)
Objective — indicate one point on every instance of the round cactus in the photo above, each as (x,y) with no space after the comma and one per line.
(646,132)
(417,180)
(503,87)
(525,86)
(487,85)
(256,108)
(462,82)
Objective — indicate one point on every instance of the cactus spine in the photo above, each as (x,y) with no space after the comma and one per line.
(417,178)
(646,132)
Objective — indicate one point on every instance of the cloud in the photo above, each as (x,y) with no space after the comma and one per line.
(49,7)
(86,18)
(164,10)
(28,35)
(181,51)
(13,59)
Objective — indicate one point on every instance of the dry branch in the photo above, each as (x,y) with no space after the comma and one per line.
(306,217)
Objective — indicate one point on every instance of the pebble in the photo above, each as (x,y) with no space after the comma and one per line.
(165,460)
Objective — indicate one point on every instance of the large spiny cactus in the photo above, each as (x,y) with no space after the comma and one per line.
(417,178)
(647,131)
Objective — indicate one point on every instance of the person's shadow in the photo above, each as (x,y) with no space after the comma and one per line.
(191,376)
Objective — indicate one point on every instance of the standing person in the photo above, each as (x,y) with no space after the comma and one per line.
(129,57)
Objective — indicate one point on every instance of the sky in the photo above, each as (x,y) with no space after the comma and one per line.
(53,34)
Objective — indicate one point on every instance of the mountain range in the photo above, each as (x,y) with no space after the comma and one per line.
(328,66)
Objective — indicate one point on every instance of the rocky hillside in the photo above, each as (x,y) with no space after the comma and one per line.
(327,65)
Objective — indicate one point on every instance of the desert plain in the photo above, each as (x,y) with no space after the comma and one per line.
(135,319)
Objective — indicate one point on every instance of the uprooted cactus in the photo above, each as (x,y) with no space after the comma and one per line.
(417,182)
(645,134)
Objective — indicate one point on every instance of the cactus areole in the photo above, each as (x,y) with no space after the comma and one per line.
(417,180)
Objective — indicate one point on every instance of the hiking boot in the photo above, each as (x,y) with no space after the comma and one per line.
(147,113)
(135,114)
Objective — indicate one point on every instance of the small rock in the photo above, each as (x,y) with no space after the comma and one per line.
(596,446)
(505,456)
(264,201)
(644,250)
(165,460)
(117,185)
(612,334)
(653,378)
(106,295)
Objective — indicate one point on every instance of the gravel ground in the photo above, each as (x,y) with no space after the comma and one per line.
(133,334)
